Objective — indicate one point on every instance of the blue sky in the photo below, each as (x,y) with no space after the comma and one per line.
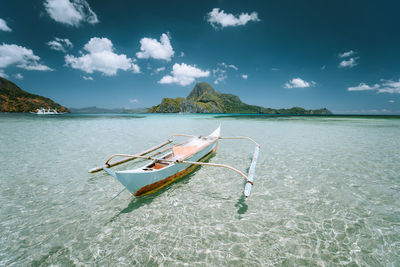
(343,55)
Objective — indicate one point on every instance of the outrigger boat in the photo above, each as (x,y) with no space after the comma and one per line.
(48,111)
(175,162)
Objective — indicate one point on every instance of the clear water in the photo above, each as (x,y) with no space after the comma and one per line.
(327,192)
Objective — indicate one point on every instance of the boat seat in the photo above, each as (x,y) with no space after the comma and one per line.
(159,165)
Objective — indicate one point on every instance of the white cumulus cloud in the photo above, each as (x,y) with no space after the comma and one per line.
(385,86)
(220,75)
(349,63)
(299,83)
(389,86)
(21,57)
(346,54)
(223,64)
(133,100)
(245,76)
(3,26)
(218,18)
(70,12)
(18,76)
(59,44)
(184,74)
(100,57)
(391,101)
(87,78)
(363,87)
(349,60)
(160,69)
(135,68)
(233,67)
(151,48)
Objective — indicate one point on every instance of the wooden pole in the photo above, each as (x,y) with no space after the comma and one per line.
(130,157)
(241,137)
(217,165)
(184,135)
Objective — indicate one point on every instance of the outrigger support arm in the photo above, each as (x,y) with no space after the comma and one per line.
(184,135)
(131,157)
(120,155)
(241,137)
(216,165)
(250,178)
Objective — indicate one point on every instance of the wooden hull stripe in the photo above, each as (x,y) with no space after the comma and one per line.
(151,188)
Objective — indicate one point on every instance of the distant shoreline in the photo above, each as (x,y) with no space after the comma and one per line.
(215,115)
(314,115)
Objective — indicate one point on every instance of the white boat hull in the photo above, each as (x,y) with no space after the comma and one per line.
(144,181)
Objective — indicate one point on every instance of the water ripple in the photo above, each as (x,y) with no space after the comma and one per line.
(327,192)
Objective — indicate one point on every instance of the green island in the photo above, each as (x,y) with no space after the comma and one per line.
(14,99)
(202,99)
(205,99)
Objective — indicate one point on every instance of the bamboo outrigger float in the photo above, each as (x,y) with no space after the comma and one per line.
(175,162)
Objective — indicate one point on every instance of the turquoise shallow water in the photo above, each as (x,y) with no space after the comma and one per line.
(327,192)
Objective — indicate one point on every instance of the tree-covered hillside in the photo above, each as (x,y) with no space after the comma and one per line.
(14,99)
(205,99)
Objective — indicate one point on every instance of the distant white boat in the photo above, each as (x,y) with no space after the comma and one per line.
(48,111)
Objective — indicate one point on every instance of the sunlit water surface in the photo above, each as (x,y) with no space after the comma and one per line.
(327,192)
